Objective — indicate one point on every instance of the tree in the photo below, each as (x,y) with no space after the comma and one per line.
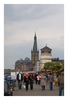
(49,66)
(57,66)
(53,66)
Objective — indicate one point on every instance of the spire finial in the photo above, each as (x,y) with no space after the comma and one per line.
(35,32)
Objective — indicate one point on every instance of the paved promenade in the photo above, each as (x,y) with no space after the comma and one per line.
(36,91)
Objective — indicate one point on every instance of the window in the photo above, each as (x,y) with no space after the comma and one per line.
(42,51)
(49,51)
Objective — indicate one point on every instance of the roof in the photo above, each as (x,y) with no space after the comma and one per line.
(26,62)
(46,47)
(27,59)
(35,44)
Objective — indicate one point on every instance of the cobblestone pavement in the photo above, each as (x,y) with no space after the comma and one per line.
(36,91)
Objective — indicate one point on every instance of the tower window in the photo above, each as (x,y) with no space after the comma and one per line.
(42,51)
(49,51)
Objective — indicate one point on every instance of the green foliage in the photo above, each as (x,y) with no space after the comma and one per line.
(49,66)
(9,70)
(57,65)
(53,66)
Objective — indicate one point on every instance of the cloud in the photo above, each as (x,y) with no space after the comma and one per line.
(15,52)
(20,23)
(21,31)
(31,11)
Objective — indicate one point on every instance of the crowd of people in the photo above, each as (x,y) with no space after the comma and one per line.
(41,79)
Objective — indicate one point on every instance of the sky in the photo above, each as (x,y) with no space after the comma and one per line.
(50,25)
(20,23)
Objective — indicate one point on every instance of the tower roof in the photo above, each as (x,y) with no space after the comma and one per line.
(35,43)
(46,47)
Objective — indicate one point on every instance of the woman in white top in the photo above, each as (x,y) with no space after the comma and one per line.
(38,78)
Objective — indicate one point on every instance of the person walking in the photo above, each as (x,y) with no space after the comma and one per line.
(43,81)
(31,81)
(45,74)
(38,79)
(61,84)
(19,79)
(56,80)
(51,80)
(26,80)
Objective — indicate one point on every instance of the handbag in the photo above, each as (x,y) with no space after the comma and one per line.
(24,85)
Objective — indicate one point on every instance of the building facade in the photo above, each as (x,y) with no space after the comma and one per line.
(38,66)
(34,52)
(46,56)
(24,65)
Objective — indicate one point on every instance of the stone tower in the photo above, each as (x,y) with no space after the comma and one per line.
(34,52)
(46,56)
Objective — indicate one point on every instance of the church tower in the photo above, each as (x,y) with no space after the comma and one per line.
(34,52)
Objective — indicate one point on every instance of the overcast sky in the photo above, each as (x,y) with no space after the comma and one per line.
(20,23)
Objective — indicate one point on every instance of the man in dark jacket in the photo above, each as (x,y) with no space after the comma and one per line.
(31,81)
(36,78)
(61,84)
(19,79)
